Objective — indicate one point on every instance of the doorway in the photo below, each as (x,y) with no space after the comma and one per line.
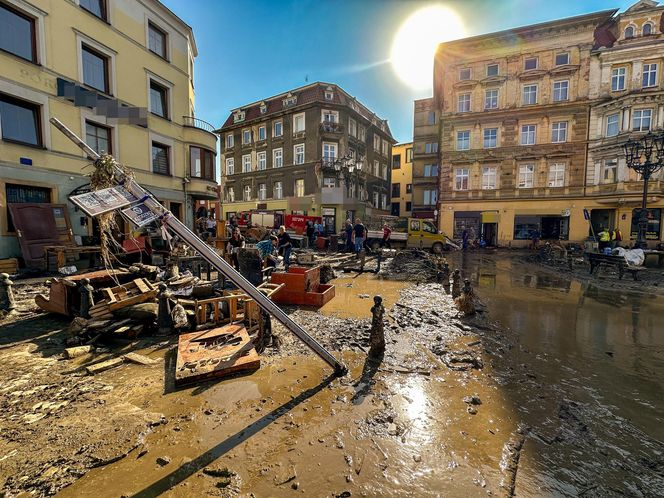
(329,220)
(489,233)
(602,218)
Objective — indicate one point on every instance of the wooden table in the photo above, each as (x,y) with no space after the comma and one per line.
(61,253)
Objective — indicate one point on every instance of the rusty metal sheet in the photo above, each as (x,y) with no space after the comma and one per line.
(214,353)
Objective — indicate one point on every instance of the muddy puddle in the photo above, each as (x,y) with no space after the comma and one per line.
(354,295)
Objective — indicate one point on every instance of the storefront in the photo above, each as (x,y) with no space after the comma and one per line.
(467,220)
(654,230)
(548,227)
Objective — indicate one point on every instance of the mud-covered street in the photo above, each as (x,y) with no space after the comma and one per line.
(553,389)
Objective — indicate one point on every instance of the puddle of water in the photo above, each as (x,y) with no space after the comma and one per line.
(348,304)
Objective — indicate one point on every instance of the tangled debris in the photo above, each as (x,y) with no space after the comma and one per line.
(414,264)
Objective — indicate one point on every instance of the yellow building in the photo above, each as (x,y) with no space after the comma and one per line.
(402,179)
(120,75)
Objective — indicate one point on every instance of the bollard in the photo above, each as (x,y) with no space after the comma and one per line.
(164,318)
(456,283)
(379,259)
(363,255)
(377,337)
(7,301)
(87,300)
(467,289)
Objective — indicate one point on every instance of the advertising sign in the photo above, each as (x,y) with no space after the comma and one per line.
(140,215)
(103,201)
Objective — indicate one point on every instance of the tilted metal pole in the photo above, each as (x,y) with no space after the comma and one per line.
(211,256)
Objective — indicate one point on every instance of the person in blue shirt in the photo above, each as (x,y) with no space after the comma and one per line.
(267,250)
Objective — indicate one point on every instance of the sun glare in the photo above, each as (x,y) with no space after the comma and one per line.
(415,44)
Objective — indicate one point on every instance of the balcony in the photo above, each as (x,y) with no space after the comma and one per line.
(331,128)
(193,122)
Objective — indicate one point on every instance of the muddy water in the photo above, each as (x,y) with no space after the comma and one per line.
(594,396)
(354,295)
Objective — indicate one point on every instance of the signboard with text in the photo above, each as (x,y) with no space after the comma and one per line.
(139,214)
(103,201)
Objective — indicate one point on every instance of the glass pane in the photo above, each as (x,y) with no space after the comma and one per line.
(157,100)
(94,6)
(195,154)
(156,41)
(160,159)
(16,33)
(19,121)
(94,70)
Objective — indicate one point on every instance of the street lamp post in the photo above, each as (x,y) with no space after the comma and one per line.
(646,157)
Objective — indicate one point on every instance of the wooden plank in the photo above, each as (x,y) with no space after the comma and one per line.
(104,365)
(139,359)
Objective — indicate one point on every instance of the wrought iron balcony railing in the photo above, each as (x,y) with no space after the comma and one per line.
(197,123)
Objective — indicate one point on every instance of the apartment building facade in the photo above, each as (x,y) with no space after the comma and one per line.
(627,89)
(426,159)
(119,74)
(402,180)
(314,150)
(514,122)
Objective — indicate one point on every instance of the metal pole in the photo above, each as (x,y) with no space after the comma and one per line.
(641,238)
(212,257)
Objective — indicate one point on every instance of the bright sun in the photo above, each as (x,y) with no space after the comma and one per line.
(415,44)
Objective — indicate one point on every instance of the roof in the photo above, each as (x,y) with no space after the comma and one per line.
(314,92)
(176,18)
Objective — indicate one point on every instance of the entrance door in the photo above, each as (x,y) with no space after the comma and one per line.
(330,220)
(489,233)
(36,228)
(602,218)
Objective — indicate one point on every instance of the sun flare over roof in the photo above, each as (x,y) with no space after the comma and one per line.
(415,43)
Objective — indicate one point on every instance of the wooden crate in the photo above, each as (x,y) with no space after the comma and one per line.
(9,266)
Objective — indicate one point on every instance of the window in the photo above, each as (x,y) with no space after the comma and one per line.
(298,123)
(299,187)
(464,74)
(246,194)
(246,137)
(329,151)
(430,197)
(156,40)
(98,137)
(278,190)
(246,163)
(528,134)
(202,163)
(560,90)
(384,147)
(647,29)
(530,63)
(559,132)
(95,7)
(238,116)
(431,170)
(409,188)
(491,99)
(409,206)
(329,95)
(488,178)
(160,160)
(158,100)
(618,79)
(431,148)
(409,155)
(461,178)
(375,199)
(17,34)
(629,32)
(352,127)
(262,160)
(557,175)
(612,125)
(277,129)
(490,138)
(530,94)
(431,117)
(562,59)
(376,168)
(330,116)
(230,166)
(95,69)
(362,133)
(463,140)
(383,201)
(526,175)
(230,141)
(277,158)
(19,121)
(262,134)
(642,119)
(263,108)
(329,182)
(492,70)
(376,144)
(464,102)
(649,75)
(609,171)
(298,154)
(396,161)
(262,191)
(290,100)
(396,190)
(230,194)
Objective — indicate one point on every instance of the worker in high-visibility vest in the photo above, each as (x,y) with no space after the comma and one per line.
(604,238)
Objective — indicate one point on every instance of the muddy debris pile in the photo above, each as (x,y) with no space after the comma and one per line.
(413,265)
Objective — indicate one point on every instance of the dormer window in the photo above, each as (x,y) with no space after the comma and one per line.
(263,108)
(290,100)
(647,29)
(492,70)
(238,116)
(629,32)
(464,74)
(562,59)
(329,93)
(530,63)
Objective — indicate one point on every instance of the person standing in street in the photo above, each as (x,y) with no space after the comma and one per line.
(211,225)
(310,233)
(267,249)
(387,231)
(236,242)
(286,245)
(465,235)
(348,230)
(616,237)
(360,234)
(604,238)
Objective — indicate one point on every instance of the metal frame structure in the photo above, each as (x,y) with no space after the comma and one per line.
(210,255)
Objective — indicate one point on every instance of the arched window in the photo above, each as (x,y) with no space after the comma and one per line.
(647,29)
(629,32)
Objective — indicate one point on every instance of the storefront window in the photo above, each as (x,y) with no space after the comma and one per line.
(654,230)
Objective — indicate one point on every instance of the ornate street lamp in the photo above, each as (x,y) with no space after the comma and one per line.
(646,157)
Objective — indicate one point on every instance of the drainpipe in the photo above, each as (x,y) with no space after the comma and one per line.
(185,180)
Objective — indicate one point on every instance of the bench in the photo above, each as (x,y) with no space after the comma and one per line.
(598,260)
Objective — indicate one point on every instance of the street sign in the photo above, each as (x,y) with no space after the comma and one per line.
(103,201)
(586,214)
(139,214)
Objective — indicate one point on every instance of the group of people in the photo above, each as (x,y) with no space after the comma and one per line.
(268,249)
(313,231)
(609,238)
(206,226)
(355,235)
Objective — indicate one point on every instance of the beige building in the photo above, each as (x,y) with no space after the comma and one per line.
(426,138)
(402,179)
(118,73)
(627,89)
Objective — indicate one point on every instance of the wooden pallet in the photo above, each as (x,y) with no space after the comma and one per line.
(137,291)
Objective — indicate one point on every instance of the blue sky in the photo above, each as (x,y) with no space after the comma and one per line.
(252,49)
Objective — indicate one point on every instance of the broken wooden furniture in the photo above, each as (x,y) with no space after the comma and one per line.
(62,254)
(9,266)
(302,287)
(214,353)
(137,291)
(64,297)
(598,260)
